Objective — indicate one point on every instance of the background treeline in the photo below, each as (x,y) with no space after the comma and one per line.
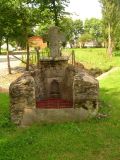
(20,19)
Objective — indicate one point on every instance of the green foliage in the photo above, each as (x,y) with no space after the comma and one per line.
(86,37)
(94,27)
(7,17)
(42,30)
(55,8)
(110,10)
(77,28)
(19,18)
(71,28)
(16,20)
(66,25)
(111,20)
(117,37)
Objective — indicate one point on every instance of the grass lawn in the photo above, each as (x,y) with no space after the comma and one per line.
(96,58)
(88,140)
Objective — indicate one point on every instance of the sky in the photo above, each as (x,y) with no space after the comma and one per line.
(83,9)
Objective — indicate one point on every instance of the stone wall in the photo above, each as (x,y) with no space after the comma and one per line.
(85,92)
(22,95)
(49,72)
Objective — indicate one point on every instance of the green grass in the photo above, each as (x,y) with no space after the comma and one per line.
(96,58)
(4,112)
(88,140)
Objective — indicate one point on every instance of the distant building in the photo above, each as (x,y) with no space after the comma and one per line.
(10,47)
(68,45)
(90,44)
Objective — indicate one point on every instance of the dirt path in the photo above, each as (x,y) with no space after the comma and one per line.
(5,78)
(5,81)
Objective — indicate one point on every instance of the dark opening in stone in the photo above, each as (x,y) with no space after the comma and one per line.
(55,89)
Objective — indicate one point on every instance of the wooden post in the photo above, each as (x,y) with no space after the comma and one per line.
(73,57)
(8,58)
(28,56)
(32,58)
(0,44)
(22,57)
(38,56)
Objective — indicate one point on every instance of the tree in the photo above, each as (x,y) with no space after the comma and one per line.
(117,38)
(66,25)
(111,17)
(20,17)
(54,9)
(25,16)
(86,37)
(77,28)
(7,23)
(94,27)
(16,21)
(72,29)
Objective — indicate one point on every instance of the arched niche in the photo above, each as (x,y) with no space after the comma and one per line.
(55,89)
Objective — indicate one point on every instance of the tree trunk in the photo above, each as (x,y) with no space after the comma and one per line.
(55,13)
(0,44)
(8,58)
(28,56)
(109,49)
(0,47)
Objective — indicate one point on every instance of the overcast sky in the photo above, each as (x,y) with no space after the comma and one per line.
(85,9)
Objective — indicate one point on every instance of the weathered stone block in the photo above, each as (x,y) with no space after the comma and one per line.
(85,91)
(22,95)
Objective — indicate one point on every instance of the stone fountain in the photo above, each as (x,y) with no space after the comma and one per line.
(55,92)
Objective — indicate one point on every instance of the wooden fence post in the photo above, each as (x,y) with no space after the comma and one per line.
(73,57)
